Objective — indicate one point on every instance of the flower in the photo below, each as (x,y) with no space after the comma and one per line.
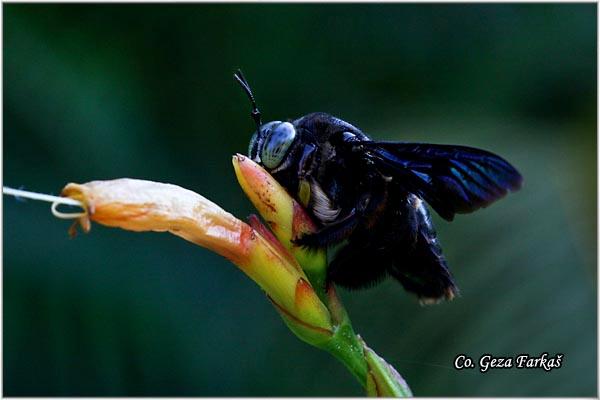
(139,205)
(293,278)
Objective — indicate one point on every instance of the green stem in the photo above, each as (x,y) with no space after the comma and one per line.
(372,372)
(346,347)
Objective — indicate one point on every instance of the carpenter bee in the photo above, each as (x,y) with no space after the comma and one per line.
(370,196)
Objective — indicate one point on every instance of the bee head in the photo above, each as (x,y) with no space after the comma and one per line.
(271,141)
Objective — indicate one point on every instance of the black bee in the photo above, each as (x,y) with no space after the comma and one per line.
(372,195)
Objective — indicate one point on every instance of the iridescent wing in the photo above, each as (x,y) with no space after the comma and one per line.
(452,179)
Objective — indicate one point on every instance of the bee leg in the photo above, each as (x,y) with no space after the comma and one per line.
(306,165)
(330,234)
(358,265)
(365,213)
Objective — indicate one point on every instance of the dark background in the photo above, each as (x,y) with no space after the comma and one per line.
(146,91)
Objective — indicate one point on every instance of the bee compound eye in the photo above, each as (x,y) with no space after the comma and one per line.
(252,153)
(258,138)
(277,143)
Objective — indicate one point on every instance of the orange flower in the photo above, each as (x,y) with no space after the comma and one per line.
(284,271)
(139,205)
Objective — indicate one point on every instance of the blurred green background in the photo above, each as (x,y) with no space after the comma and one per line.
(146,91)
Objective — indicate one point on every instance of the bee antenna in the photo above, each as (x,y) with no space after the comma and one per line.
(239,77)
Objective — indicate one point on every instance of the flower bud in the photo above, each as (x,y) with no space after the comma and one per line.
(284,215)
(382,379)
